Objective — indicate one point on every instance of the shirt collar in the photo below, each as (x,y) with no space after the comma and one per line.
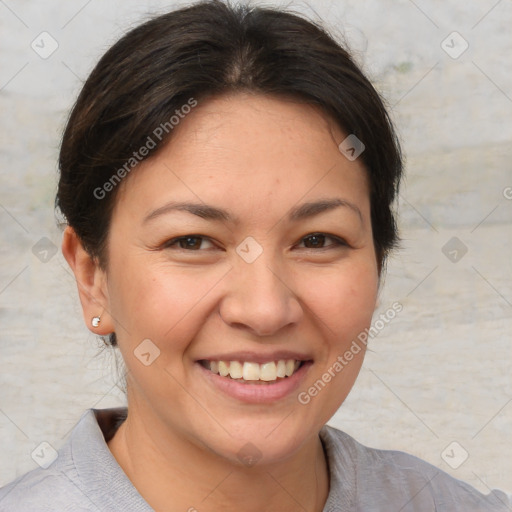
(108,487)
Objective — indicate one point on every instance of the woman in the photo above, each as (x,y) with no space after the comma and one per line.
(228,177)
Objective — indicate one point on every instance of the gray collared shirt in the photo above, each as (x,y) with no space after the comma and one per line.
(86,477)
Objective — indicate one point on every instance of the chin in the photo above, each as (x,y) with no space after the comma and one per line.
(261,442)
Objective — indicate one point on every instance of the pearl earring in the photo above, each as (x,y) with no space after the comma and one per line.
(95,321)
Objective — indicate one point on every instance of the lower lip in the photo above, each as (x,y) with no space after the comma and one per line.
(257,393)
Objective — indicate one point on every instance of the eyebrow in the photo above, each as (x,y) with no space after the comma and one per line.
(209,212)
(311,209)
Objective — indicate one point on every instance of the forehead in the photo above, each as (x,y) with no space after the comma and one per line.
(244,121)
(250,145)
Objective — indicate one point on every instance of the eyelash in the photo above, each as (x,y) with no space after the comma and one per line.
(339,242)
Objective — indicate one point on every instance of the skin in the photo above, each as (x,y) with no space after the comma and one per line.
(257,157)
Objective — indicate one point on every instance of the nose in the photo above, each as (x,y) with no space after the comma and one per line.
(260,299)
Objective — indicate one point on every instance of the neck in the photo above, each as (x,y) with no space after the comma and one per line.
(168,468)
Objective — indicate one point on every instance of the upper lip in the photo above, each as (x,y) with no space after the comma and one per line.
(257,357)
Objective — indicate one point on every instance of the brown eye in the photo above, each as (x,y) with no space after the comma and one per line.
(314,241)
(317,241)
(189,242)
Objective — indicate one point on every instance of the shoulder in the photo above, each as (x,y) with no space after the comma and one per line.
(45,490)
(82,476)
(387,479)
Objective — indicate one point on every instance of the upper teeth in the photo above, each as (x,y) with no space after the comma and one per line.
(254,371)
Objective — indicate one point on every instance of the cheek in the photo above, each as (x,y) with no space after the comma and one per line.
(342,304)
(160,301)
(343,301)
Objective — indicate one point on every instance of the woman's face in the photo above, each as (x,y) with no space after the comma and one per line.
(261,276)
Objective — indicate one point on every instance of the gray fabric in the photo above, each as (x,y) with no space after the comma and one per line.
(86,478)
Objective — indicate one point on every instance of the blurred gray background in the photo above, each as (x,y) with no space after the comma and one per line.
(438,381)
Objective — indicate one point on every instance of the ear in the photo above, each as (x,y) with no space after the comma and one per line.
(91,281)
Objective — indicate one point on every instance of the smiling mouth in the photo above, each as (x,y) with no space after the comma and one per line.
(254,373)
